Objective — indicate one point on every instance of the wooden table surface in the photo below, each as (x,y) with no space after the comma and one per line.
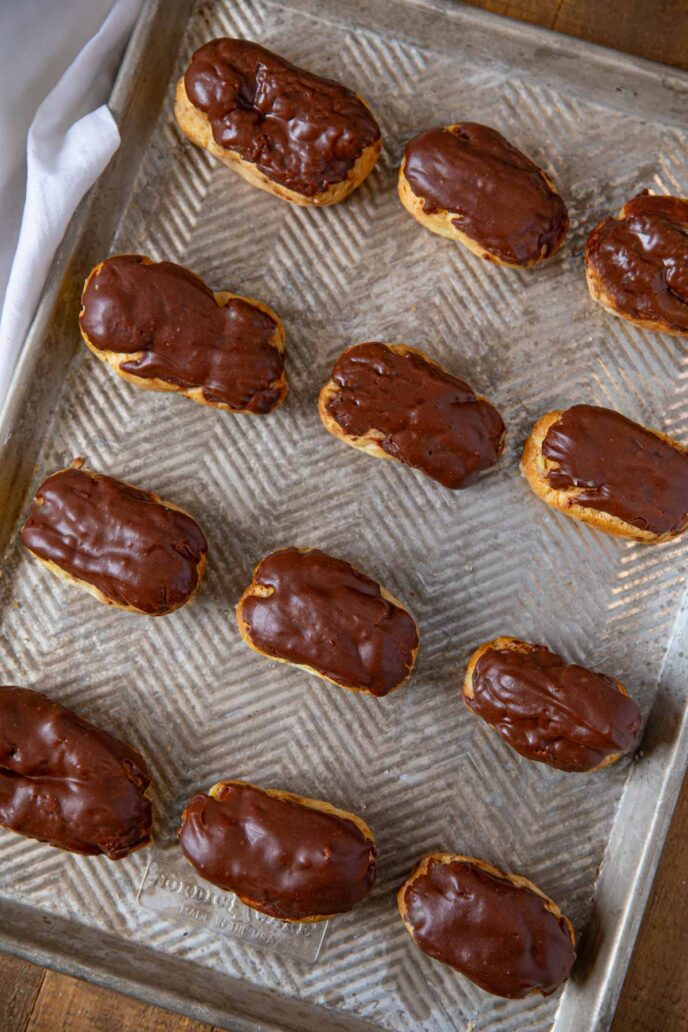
(655,993)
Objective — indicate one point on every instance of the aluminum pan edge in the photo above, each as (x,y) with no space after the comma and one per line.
(163,981)
(630,860)
(619,78)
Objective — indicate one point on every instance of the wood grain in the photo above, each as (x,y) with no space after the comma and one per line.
(67,1005)
(655,994)
(537,12)
(655,29)
(20,984)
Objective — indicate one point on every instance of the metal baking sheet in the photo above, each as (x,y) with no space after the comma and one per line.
(491,560)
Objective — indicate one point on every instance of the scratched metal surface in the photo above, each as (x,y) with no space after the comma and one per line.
(471,565)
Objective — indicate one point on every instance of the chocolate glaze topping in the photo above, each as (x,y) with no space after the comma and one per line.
(118,538)
(430,419)
(301,131)
(553,711)
(169,316)
(621,468)
(501,198)
(642,259)
(325,614)
(66,782)
(501,936)
(287,859)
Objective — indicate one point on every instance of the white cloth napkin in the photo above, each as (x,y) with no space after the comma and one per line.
(71,139)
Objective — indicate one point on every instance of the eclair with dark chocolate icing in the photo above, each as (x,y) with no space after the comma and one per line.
(323,615)
(636,264)
(467,182)
(391,401)
(68,783)
(127,547)
(294,858)
(495,928)
(305,139)
(161,328)
(549,710)
(595,465)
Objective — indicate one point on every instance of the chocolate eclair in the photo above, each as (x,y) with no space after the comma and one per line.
(305,139)
(391,401)
(68,783)
(160,327)
(549,710)
(497,929)
(127,547)
(595,465)
(467,182)
(294,858)
(322,614)
(636,264)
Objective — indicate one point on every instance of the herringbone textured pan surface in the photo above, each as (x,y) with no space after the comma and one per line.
(471,565)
